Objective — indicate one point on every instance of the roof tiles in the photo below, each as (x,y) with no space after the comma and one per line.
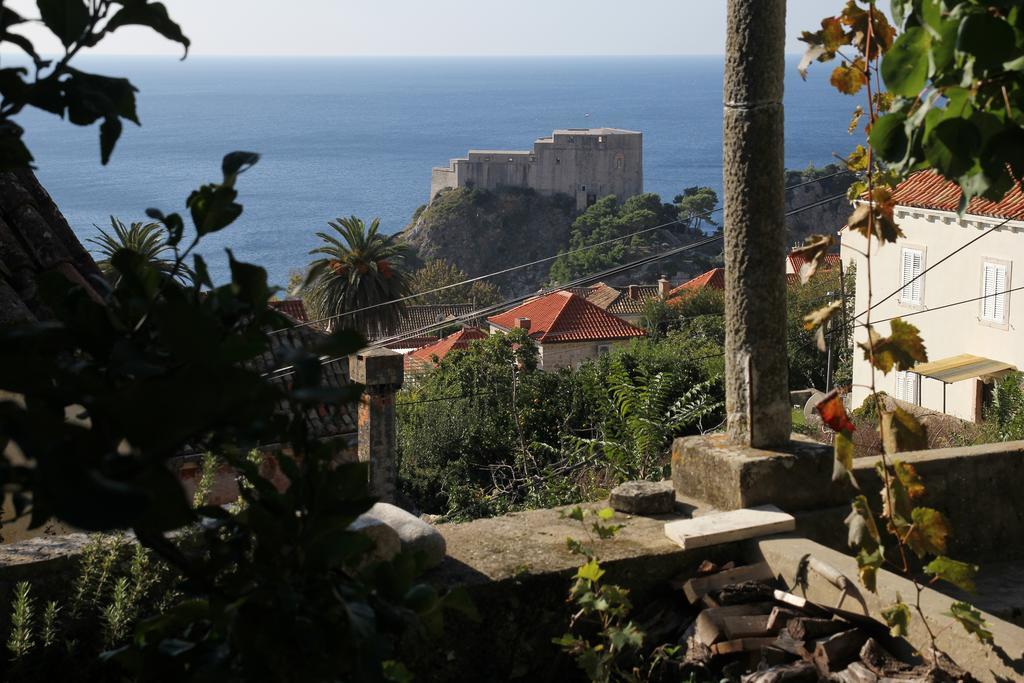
(563,316)
(929,190)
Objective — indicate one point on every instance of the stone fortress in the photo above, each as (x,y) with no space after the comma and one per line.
(584,163)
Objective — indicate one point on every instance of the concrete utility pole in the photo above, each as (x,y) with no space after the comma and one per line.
(756,366)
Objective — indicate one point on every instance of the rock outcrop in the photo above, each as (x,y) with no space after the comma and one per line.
(482,231)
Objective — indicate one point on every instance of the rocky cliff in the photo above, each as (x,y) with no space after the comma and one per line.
(482,231)
(825,219)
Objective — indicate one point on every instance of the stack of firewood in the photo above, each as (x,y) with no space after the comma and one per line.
(749,629)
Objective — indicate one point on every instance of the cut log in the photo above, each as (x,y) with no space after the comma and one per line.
(797,672)
(710,624)
(697,588)
(739,593)
(809,628)
(855,673)
(746,626)
(729,647)
(836,652)
(780,616)
(791,645)
(726,527)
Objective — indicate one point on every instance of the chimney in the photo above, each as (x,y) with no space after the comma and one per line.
(523,324)
(664,287)
(631,292)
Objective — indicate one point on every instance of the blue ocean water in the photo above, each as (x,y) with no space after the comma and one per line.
(343,136)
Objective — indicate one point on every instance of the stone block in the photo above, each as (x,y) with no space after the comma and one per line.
(387,544)
(644,497)
(414,534)
(377,367)
(728,476)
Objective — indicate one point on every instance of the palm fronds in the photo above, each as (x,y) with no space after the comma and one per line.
(359,268)
(149,240)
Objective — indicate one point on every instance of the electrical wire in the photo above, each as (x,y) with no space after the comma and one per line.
(548,258)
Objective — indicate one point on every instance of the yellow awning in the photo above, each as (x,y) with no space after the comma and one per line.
(964,366)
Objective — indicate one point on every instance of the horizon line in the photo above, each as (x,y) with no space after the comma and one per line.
(178,57)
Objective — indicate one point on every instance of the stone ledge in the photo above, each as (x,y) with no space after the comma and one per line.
(728,476)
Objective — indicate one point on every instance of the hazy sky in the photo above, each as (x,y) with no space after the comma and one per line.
(444,27)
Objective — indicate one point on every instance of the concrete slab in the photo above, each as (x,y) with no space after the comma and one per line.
(726,527)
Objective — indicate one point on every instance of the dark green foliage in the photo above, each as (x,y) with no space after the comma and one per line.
(148,240)
(56,87)
(486,432)
(958,73)
(1005,416)
(695,205)
(807,363)
(276,589)
(608,219)
(439,274)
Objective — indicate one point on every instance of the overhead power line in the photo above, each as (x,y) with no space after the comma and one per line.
(515,301)
(934,265)
(537,262)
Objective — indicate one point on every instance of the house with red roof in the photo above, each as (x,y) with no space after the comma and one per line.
(953,277)
(712,279)
(427,357)
(628,302)
(568,329)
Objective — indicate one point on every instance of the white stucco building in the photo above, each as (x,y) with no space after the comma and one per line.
(964,306)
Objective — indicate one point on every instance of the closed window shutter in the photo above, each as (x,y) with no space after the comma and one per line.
(993,306)
(914,388)
(901,385)
(910,268)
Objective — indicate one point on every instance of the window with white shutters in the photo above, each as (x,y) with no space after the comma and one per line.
(993,291)
(912,263)
(908,387)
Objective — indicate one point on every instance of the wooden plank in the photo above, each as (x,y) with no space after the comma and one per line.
(710,623)
(746,626)
(725,527)
(741,645)
(780,616)
(696,589)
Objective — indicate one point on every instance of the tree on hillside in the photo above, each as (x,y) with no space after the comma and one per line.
(607,219)
(695,205)
(438,273)
(359,272)
(148,240)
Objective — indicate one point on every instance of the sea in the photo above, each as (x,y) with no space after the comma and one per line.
(358,136)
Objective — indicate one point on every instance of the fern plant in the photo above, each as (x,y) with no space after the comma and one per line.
(651,411)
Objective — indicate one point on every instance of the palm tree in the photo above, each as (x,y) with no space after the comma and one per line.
(360,268)
(149,240)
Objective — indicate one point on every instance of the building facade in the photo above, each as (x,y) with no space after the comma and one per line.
(969,344)
(583,163)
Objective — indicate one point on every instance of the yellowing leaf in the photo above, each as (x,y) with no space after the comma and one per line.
(591,571)
(868,565)
(817,319)
(863,532)
(843,465)
(909,478)
(858,112)
(897,618)
(605,513)
(871,222)
(896,504)
(901,431)
(960,574)
(813,252)
(971,620)
(902,349)
(849,78)
(928,532)
(858,159)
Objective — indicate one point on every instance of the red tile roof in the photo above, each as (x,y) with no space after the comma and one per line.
(566,317)
(457,340)
(293,308)
(713,279)
(929,190)
(796,261)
